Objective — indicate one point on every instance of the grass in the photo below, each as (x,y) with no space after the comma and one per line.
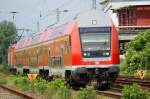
(147,74)
(124,72)
(3,80)
(38,86)
(56,89)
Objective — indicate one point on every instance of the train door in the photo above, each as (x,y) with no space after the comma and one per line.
(62,55)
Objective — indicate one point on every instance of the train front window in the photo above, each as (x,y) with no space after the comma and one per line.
(95,43)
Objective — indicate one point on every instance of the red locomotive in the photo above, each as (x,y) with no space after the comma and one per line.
(82,51)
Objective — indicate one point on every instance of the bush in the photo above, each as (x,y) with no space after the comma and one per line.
(133,92)
(39,85)
(87,93)
(3,80)
(3,67)
(22,83)
(137,54)
(58,89)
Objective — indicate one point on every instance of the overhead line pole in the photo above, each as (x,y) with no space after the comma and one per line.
(94,4)
(58,15)
(13,13)
(38,23)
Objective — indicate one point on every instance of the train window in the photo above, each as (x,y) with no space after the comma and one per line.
(37,58)
(33,61)
(37,51)
(66,46)
(96,42)
(45,51)
(60,60)
(49,57)
(49,51)
(40,51)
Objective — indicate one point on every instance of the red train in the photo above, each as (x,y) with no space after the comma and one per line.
(82,51)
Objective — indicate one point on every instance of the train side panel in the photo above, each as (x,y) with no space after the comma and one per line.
(115,46)
(59,55)
(11,55)
(76,46)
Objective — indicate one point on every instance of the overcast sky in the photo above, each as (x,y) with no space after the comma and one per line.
(29,11)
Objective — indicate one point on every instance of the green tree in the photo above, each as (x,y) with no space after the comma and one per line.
(8,34)
(137,54)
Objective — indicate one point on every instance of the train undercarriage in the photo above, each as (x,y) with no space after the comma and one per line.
(99,78)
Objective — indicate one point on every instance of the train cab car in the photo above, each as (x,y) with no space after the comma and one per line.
(95,51)
(84,51)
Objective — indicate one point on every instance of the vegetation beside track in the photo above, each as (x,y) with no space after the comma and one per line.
(134,92)
(137,55)
(56,89)
(87,93)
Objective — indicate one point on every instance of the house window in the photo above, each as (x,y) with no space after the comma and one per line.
(127,17)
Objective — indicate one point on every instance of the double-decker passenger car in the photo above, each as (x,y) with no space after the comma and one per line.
(82,51)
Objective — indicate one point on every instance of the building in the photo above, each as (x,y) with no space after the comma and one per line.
(130,16)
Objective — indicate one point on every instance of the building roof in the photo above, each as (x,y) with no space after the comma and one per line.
(127,3)
(118,4)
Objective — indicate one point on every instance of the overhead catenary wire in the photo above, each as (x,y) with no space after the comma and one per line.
(49,13)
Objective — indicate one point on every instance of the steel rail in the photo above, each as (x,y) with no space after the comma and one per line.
(111,94)
(130,80)
(16,92)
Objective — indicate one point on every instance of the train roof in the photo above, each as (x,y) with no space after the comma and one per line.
(91,18)
(45,36)
(12,46)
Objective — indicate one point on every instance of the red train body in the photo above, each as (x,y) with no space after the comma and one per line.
(83,51)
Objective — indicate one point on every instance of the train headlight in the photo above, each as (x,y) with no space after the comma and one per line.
(107,53)
(85,54)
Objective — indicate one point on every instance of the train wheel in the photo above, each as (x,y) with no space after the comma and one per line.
(95,83)
(26,71)
(74,84)
(13,71)
(100,85)
(104,85)
(44,73)
(71,81)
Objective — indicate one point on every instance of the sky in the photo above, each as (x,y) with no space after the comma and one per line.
(29,12)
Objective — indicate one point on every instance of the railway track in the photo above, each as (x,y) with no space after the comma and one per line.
(111,94)
(15,93)
(115,90)
(130,80)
